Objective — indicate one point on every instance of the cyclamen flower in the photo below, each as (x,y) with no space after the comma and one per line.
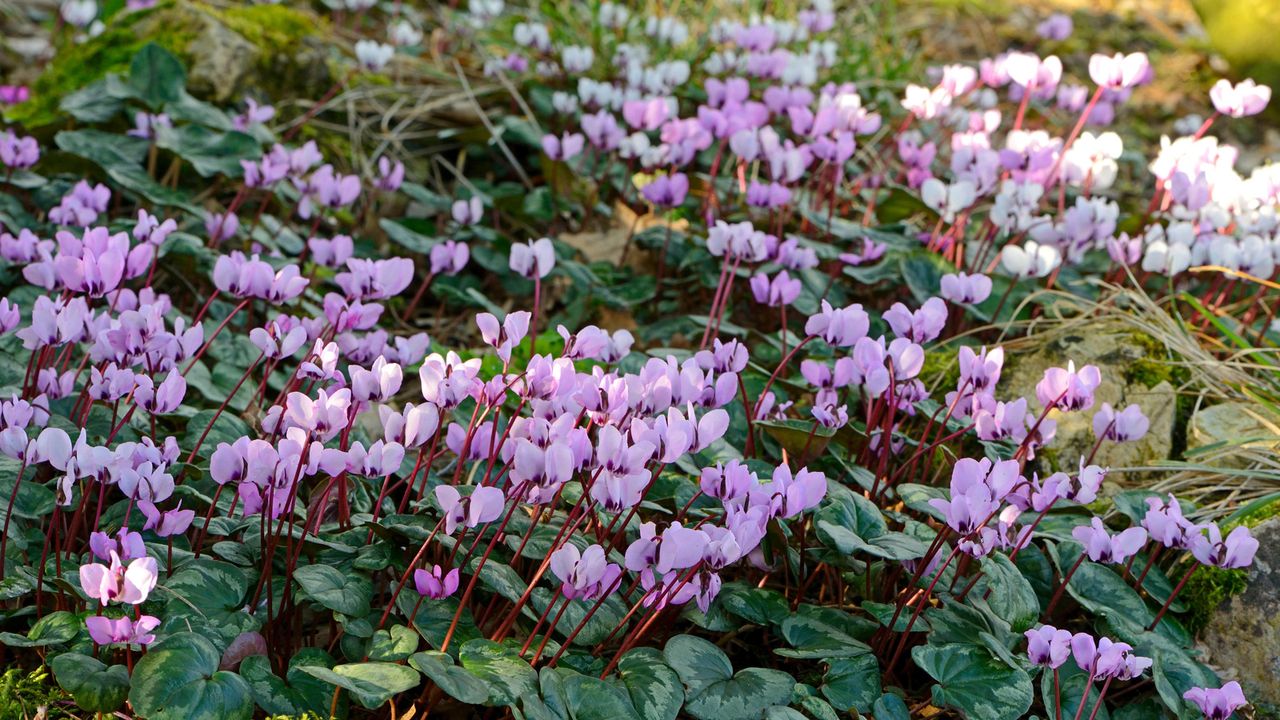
(161,400)
(1068,389)
(1125,426)
(449,257)
(484,505)
(373,55)
(1055,27)
(1239,100)
(781,290)
(1048,646)
(966,289)
(10,316)
(1217,703)
(1167,525)
(586,574)
(534,259)
(390,174)
(1236,551)
(1103,547)
(841,327)
(1105,658)
(948,200)
(131,584)
(435,583)
(920,326)
(467,212)
(505,337)
(122,631)
(1119,71)
(667,191)
(564,147)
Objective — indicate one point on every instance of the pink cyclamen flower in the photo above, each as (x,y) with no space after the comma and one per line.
(841,327)
(533,259)
(963,288)
(1049,646)
(1119,71)
(435,583)
(781,290)
(564,147)
(585,574)
(506,336)
(1217,703)
(1239,100)
(920,326)
(1103,547)
(1068,389)
(1125,426)
(122,631)
(449,257)
(131,584)
(1106,658)
(484,505)
(1236,551)
(390,174)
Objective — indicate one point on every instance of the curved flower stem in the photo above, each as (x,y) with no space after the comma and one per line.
(915,615)
(1101,696)
(1084,697)
(8,514)
(1172,596)
(772,378)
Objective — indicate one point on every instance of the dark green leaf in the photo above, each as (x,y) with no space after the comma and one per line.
(508,676)
(852,683)
(372,684)
(178,679)
(156,76)
(96,687)
(346,593)
(971,681)
(653,686)
(457,682)
(1012,597)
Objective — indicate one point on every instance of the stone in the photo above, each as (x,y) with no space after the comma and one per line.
(1231,425)
(1114,351)
(1243,634)
(221,59)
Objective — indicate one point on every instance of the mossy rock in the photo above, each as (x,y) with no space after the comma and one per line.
(275,51)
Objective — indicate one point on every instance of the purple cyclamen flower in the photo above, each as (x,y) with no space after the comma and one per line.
(435,583)
(565,147)
(506,336)
(162,399)
(449,257)
(1166,523)
(965,289)
(920,326)
(1106,658)
(533,259)
(1048,645)
(1124,426)
(842,327)
(1103,547)
(1217,703)
(1055,27)
(167,523)
(781,290)
(10,316)
(1068,389)
(390,174)
(1236,551)
(667,191)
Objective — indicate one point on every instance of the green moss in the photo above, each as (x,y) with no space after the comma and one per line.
(941,369)
(76,65)
(1210,586)
(1155,366)
(172,24)
(275,29)
(23,692)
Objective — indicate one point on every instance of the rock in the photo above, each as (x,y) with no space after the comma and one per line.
(1243,635)
(1115,352)
(221,59)
(1231,425)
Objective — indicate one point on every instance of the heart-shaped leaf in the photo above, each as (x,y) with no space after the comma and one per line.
(346,593)
(178,679)
(970,680)
(508,676)
(457,682)
(372,684)
(95,686)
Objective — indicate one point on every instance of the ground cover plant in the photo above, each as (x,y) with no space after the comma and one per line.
(242,479)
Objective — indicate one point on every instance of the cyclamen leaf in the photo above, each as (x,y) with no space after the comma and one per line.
(95,686)
(340,592)
(973,682)
(178,679)
(508,676)
(1012,597)
(653,686)
(372,684)
(457,682)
